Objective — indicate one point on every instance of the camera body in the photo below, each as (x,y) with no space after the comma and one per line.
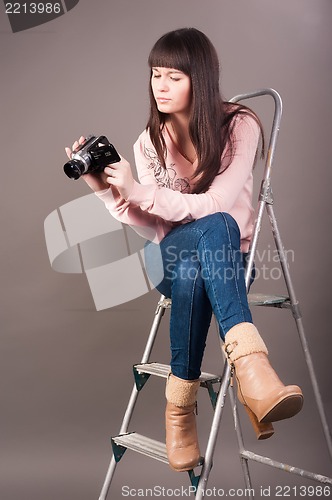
(91,156)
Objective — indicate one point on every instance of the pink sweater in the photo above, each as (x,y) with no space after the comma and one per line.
(161,199)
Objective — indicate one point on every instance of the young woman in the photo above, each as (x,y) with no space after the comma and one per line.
(194,163)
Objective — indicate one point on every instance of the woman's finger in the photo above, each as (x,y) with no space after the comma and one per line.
(68,152)
(76,144)
(109,171)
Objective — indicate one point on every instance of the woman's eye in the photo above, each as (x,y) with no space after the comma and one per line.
(175,79)
(156,76)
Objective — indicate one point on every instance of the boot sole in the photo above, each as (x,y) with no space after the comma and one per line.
(286,408)
(189,467)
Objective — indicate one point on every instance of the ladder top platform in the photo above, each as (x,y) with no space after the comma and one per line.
(262,299)
(254,299)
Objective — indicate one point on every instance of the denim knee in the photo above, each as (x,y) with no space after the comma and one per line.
(221,221)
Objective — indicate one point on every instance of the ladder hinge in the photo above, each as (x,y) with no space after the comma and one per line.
(193,479)
(296,311)
(140,378)
(212,393)
(163,305)
(266,194)
(118,450)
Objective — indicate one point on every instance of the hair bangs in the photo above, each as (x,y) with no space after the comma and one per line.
(169,52)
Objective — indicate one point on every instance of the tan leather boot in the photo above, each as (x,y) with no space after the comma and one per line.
(181,433)
(260,390)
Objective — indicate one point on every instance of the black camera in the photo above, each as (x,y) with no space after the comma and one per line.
(91,156)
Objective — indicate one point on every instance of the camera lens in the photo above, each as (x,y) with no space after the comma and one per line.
(74,169)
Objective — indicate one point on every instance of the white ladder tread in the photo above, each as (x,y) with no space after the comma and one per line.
(144,445)
(255,299)
(161,370)
(262,299)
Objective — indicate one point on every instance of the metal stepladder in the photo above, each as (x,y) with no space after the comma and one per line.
(142,371)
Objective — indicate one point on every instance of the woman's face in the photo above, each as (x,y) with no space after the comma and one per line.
(172,90)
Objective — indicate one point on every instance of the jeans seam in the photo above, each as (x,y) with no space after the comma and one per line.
(210,279)
(190,321)
(232,257)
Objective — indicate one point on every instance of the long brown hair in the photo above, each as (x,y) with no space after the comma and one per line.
(211,119)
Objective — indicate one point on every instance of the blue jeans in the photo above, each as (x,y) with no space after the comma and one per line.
(203,273)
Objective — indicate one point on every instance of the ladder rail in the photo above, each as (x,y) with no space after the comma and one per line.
(212,440)
(239,435)
(300,328)
(161,307)
(265,186)
(266,202)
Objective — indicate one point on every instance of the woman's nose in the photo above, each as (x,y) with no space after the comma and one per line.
(162,85)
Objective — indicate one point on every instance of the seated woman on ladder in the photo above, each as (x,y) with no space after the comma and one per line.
(194,163)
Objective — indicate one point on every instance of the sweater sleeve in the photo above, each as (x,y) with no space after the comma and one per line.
(174,206)
(147,225)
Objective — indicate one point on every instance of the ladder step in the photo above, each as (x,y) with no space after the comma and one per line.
(255,299)
(161,370)
(145,446)
(262,299)
(142,444)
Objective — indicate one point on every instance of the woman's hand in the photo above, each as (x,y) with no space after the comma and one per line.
(96,181)
(119,175)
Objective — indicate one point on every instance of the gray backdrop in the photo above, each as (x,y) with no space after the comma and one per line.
(66,368)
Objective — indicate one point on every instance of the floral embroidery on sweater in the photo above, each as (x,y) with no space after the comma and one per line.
(166,177)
